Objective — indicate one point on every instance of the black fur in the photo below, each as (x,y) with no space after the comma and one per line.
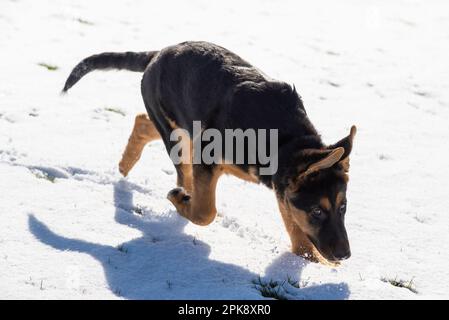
(132,61)
(200,81)
(205,82)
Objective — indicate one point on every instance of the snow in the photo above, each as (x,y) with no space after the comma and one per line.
(72,228)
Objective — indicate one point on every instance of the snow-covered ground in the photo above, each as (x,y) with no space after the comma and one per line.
(72,228)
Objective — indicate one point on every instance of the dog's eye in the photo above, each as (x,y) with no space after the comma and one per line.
(342,209)
(316,212)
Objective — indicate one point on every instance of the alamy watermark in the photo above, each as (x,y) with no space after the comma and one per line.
(205,146)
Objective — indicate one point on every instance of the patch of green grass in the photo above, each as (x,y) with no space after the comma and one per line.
(122,248)
(115,110)
(275,289)
(333,84)
(138,210)
(269,289)
(421,93)
(400,283)
(84,21)
(50,67)
(43,175)
(297,284)
(169,284)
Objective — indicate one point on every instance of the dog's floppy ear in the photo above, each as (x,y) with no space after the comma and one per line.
(317,159)
(322,159)
(345,143)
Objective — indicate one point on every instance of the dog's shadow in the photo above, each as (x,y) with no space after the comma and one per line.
(166,263)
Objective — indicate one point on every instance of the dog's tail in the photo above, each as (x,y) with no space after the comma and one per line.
(132,61)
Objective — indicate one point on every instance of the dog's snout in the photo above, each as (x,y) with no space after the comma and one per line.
(342,254)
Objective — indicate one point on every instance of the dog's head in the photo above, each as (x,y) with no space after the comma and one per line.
(314,197)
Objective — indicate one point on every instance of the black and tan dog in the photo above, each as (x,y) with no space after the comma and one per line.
(200,81)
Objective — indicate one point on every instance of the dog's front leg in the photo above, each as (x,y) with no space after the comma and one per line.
(301,245)
(199,206)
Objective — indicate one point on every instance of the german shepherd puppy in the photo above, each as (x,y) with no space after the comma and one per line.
(200,81)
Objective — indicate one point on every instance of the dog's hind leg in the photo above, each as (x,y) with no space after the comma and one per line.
(143,132)
(199,205)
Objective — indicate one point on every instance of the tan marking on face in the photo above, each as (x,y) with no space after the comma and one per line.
(300,217)
(325,203)
(343,175)
(301,245)
(339,200)
(345,164)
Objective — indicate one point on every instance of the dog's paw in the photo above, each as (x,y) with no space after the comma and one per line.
(178,196)
(123,169)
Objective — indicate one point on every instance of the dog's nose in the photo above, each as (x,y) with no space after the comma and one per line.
(342,254)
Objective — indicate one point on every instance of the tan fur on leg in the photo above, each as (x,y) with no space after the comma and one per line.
(301,245)
(185,177)
(143,132)
(198,207)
